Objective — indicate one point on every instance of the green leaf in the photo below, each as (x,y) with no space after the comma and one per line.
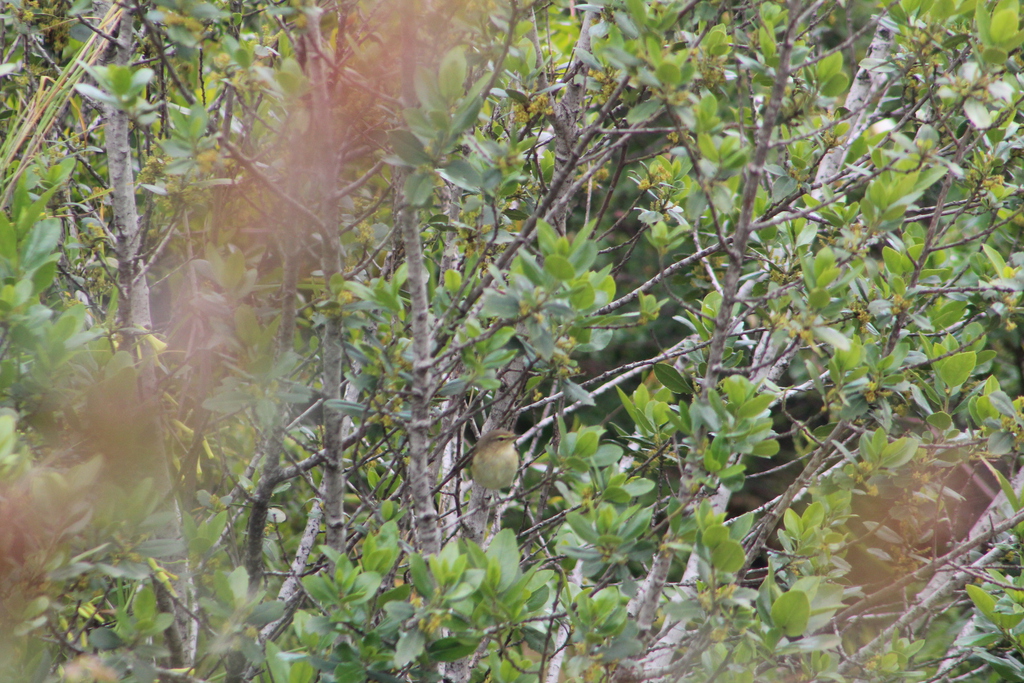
(466,115)
(836,85)
(463,174)
(8,239)
(1000,443)
(637,11)
(409,148)
(639,418)
(899,452)
(95,93)
(830,66)
(505,550)
(984,21)
(280,667)
(104,639)
(833,337)
(994,55)
(987,605)
(791,611)
(681,420)
(715,535)
(427,90)
(500,305)
(40,245)
(982,600)
(668,74)
(421,578)
(940,420)
(1007,488)
(670,378)
(716,455)
(238,583)
(766,448)
(1004,25)
(997,260)
(452,280)
(616,495)
(410,646)
(639,487)
(144,604)
(811,644)
(265,613)
(978,113)
(955,370)
(893,260)
(559,266)
(644,110)
(577,394)
(728,556)
(419,189)
(450,649)
(818,298)
(1006,668)
(582,527)
(755,406)
(452,74)
(929,177)
(583,295)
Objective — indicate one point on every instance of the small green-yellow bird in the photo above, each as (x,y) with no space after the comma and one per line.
(495,459)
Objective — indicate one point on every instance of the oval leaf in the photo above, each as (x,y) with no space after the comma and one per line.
(791,611)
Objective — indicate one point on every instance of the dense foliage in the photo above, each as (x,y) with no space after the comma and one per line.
(744,276)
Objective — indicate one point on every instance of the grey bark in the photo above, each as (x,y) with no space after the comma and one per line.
(567,110)
(136,320)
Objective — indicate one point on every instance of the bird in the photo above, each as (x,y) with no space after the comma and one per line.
(495,459)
